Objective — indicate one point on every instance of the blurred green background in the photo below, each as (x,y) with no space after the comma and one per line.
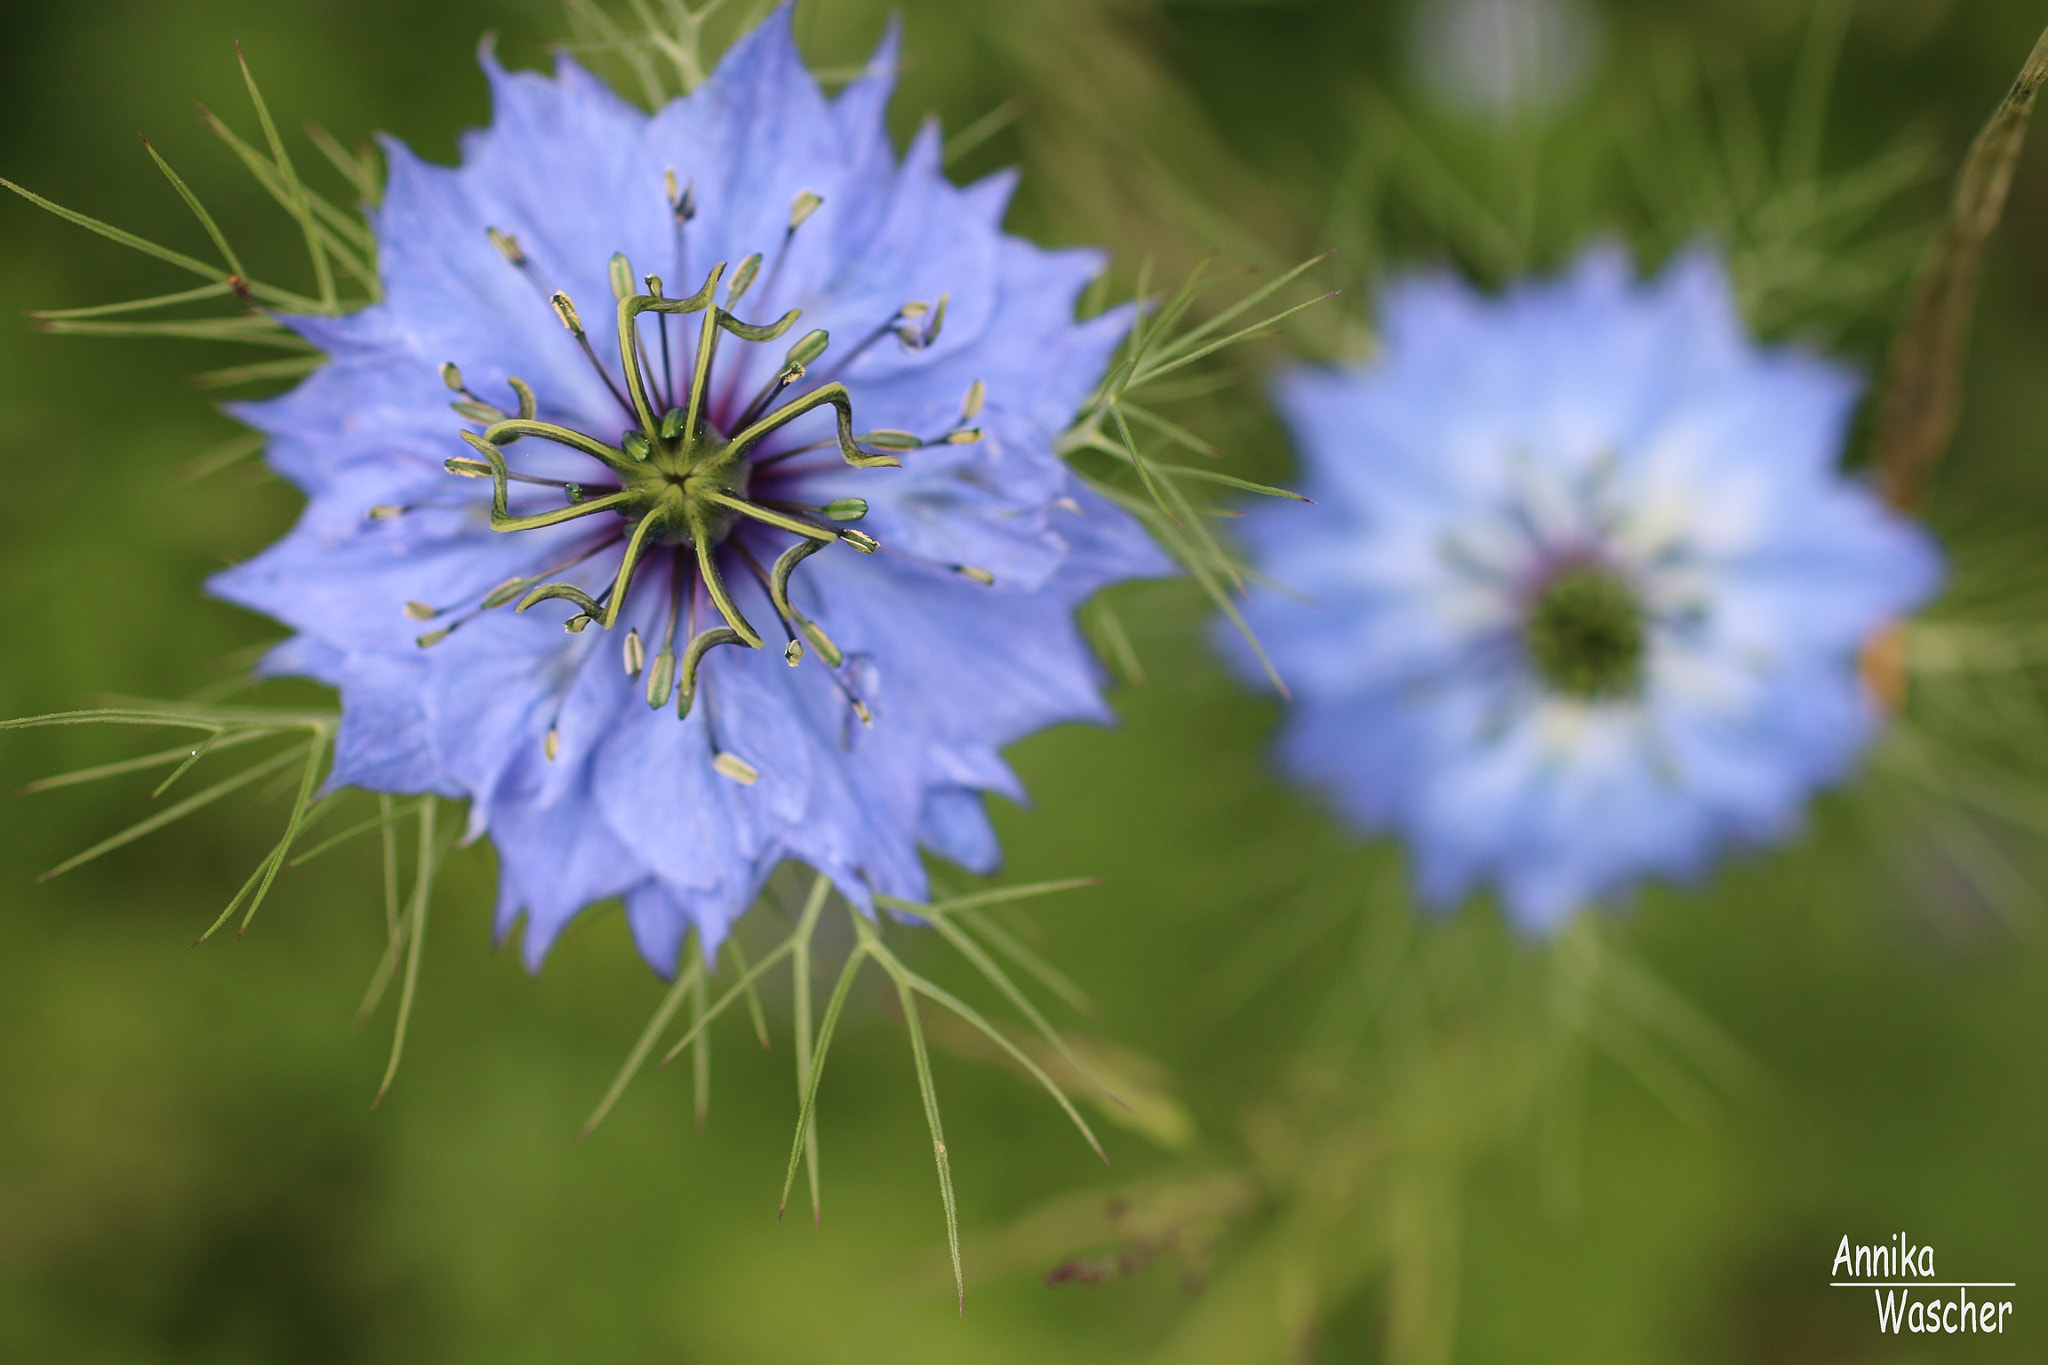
(189,1169)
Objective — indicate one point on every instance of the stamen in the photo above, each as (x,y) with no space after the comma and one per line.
(636,653)
(970,407)
(508,247)
(742,280)
(917,338)
(565,309)
(515,255)
(621,271)
(682,207)
(981,576)
(736,768)
(882,439)
(793,652)
(806,351)
(511,588)
(802,207)
(478,410)
(683,203)
(501,516)
(664,393)
(662,680)
(504,592)
(477,469)
(393,511)
(861,348)
(552,745)
(594,608)
(839,509)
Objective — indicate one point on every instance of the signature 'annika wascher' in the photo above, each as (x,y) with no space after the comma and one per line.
(1894,1270)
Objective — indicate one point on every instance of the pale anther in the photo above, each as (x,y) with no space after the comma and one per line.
(736,768)
(507,245)
(566,311)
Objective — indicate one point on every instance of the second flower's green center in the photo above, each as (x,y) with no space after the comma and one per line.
(1585,634)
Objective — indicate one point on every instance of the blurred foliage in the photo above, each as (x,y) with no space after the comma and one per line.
(1353,1134)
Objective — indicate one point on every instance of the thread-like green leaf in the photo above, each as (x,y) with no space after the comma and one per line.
(236,375)
(201,294)
(220,242)
(127,239)
(719,1006)
(387,816)
(422,900)
(688,977)
(840,990)
(323,273)
(755,1013)
(173,814)
(967,947)
(144,763)
(929,1095)
(800,1009)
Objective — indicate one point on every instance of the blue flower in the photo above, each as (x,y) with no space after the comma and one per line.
(776,578)
(1582,599)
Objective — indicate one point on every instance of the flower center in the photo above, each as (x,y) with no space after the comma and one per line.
(686,493)
(1585,634)
(705,479)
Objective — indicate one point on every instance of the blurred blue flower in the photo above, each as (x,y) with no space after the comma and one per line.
(908,438)
(1583,597)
